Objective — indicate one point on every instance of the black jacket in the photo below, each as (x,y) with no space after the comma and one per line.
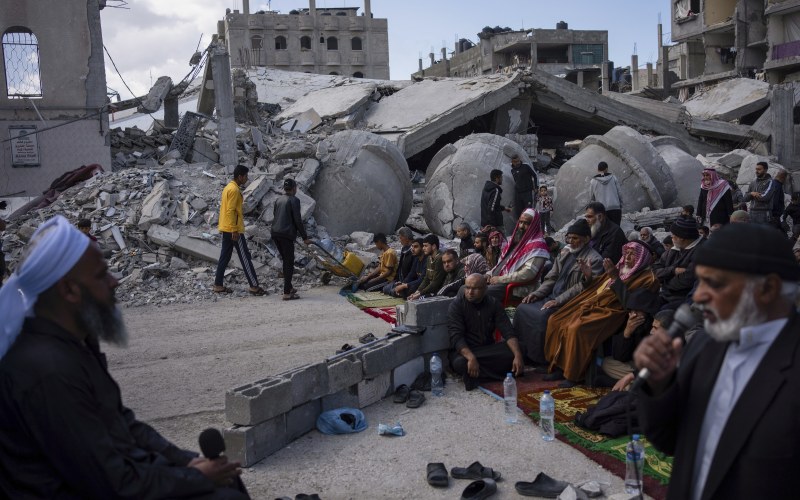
(491,208)
(473,325)
(609,240)
(288,223)
(721,214)
(675,288)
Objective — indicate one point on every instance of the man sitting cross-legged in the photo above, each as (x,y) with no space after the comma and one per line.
(471,320)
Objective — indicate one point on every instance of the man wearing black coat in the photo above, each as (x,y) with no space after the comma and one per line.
(607,237)
(491,208)
(676,270)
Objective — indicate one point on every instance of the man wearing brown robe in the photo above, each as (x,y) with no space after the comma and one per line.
(586,321)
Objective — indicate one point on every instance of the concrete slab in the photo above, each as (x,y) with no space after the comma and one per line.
(729,99)
(331,102)
(256,189)
(305,121)
(427,110)
(162,236)
(156,207)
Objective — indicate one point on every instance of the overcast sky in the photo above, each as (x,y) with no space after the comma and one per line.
(158,37)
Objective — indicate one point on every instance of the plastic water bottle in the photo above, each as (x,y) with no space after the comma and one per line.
(547,415)
(510,396)
(634,466)
(437,384)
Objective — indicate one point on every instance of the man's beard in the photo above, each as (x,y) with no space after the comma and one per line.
(103,322)
(626,270)
(518,234)
(596,228)
(745,314)
(575,248)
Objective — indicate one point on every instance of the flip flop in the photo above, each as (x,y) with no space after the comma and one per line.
(345,348)
(543,486)
(367,338)
(478,490)
(437,475)
(475,471)
(401,394)
(224,289)
(415,399)
(258,292)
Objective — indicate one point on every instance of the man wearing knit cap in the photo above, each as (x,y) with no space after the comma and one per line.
(676,271)
(65,432)
(575,266)
(607,237)
(729,414)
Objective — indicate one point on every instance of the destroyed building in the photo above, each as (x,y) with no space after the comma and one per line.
(327,41)
(52,92)
(576,55)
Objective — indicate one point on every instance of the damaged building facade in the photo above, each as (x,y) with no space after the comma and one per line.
(577,55)
(327,41)
(48,124)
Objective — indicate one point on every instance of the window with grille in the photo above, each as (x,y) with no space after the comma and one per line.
(21,62)
(257,42)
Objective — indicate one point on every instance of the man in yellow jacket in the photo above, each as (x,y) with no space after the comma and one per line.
(231,227)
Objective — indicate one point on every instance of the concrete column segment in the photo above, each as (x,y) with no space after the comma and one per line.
(634,73)
(665,81)
(686,169)
(580,79)
(251,444)
(650,80)
(259,401)
(223,101)
(604,78)
(782,109)
(308,382)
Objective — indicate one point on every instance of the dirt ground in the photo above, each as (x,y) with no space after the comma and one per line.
(182,358)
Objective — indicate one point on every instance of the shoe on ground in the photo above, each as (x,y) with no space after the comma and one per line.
(543,486)
(437,475)
(475,471)
(480,489)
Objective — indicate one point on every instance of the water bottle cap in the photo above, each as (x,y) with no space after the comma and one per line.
(509,374)
(547,391)
(635,437)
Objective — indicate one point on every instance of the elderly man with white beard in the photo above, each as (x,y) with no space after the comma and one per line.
(64,432)
(607,237)
(729,414)
(575,266)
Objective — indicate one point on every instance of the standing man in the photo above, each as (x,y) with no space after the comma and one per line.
(472,318)
(760,196)
(231,227)
(604,188)
(728,415)
(434,272)
(607,237)
(65,431)
(778,201)
(386,270)
(491,208)
(526,185)
(285,228)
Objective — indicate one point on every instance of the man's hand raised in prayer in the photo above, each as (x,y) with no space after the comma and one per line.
(610,268)
(585,267)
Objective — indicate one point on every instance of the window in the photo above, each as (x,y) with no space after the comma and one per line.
(587,54)
(280,43)
(358,74)
(340,13)
(257,42)
(333,43)
(21,62)
(355,43)
(333,73)
(305,43)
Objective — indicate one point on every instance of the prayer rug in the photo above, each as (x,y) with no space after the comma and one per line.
(606,451)
(388,314)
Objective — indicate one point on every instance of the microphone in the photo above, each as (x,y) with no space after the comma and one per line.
(211,443)
(685,318)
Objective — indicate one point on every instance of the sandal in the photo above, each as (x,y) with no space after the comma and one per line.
(222,289)
(367,338)
(415,399)
(290,296)
(474,471)
(437,475)
(345,348)
(401,394)
(258,291)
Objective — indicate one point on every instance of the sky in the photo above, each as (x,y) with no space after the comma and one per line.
(152,38)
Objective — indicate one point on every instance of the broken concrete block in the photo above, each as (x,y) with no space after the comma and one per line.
(152,101)
(456,176)
(162,236)
(251,444)
(267,206)
(362,239)
(343,373)
(254,192)
(378,359)
(308,173)
(258,401)
(199,204)
(290,150)
(427,312)
(308,382)
(436,339)
(203,151)
(729,100)
(686,170)
(178,263)
(302,419)
(118,239)
(331,102)
(154,210)
(305,121)
(373,390)
(307,204)
(363,184)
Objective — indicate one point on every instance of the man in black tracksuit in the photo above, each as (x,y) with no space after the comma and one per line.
(491,208)
(285,228)
(526,186)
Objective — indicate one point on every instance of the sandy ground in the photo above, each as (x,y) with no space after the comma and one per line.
(181,360)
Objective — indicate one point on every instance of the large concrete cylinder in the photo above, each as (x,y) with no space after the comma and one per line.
(687,171)
(645,178)
(363,184)
(456,176)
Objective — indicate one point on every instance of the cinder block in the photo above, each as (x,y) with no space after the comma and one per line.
(407,372)
(259,401)
(374,389)
(343,373)
(302,419)
(346,398)
(427,312)
(308,382)
(378,359)
(251,444)
(406,347)
(436,339)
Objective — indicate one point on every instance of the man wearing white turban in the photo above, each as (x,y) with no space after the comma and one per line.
(64,432)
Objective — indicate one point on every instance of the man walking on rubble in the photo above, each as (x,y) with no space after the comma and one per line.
(285,228)
(231,227)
